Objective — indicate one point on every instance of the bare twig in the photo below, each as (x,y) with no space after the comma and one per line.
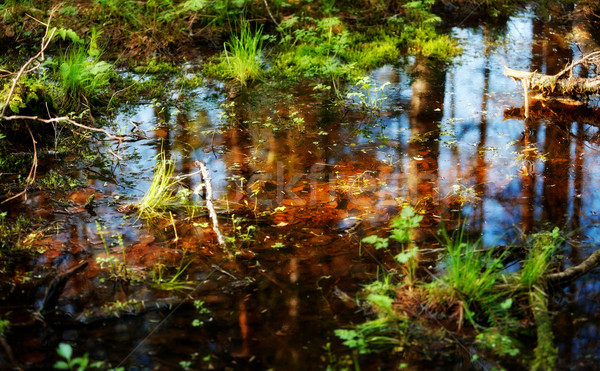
(270,14)
(64,119)
(209,204)
(31,176)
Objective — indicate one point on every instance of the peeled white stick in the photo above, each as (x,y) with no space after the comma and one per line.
(209,204)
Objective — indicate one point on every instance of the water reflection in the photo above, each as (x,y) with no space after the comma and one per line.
(314,178)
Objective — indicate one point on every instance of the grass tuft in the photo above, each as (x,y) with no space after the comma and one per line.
(242,55)
(161,194)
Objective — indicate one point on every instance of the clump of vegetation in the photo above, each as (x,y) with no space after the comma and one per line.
(420,34)
(81,74)
(68,362)
(162,193)
(469,278)
(242,55)
(472,284)
(19,233)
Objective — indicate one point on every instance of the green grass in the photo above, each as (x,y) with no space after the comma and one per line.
(470,276)
(82,75)
(162,193)
(543,245)
(242,55)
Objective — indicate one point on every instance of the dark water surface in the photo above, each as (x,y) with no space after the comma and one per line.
(298,182)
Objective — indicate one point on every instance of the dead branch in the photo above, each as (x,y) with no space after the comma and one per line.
(556,84)
(575,272)
(209,204)
(64,119)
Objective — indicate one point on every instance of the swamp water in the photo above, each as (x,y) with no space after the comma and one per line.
(298,183)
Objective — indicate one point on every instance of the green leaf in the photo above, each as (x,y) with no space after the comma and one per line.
(61,365)
(370,239)
(83,362)
(405,256)
(384,302)
(506,304)
(378,242)
(64,350)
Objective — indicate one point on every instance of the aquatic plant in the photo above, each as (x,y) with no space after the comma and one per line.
(243,54)
(202,312)
(543,245)
(162,193)
(370,97)
(161,282)
(402,227)
(117,266)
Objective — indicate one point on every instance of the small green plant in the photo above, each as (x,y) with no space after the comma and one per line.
(497,342)
(4,325)
(402,227)
(160,282)
(243,54)
(81,73)
(118,267)
(370,97)
(202,311)
(69,363)
(376,335)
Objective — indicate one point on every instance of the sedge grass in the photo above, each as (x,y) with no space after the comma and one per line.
(161,195)
(470,276)
(82,75)
(242,54)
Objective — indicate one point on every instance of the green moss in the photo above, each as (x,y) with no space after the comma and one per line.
(155,66)
(369,55)
(29,95)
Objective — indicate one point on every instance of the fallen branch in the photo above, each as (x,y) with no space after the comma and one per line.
(209,204)
(556,83)
(575,272)
(563,83)
(64,119)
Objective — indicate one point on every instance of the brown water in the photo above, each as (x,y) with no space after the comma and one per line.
(305,180)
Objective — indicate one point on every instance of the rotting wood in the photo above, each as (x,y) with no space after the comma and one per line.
(565,83)
(558,84)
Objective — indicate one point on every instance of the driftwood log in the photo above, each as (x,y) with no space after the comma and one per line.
(563,83)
